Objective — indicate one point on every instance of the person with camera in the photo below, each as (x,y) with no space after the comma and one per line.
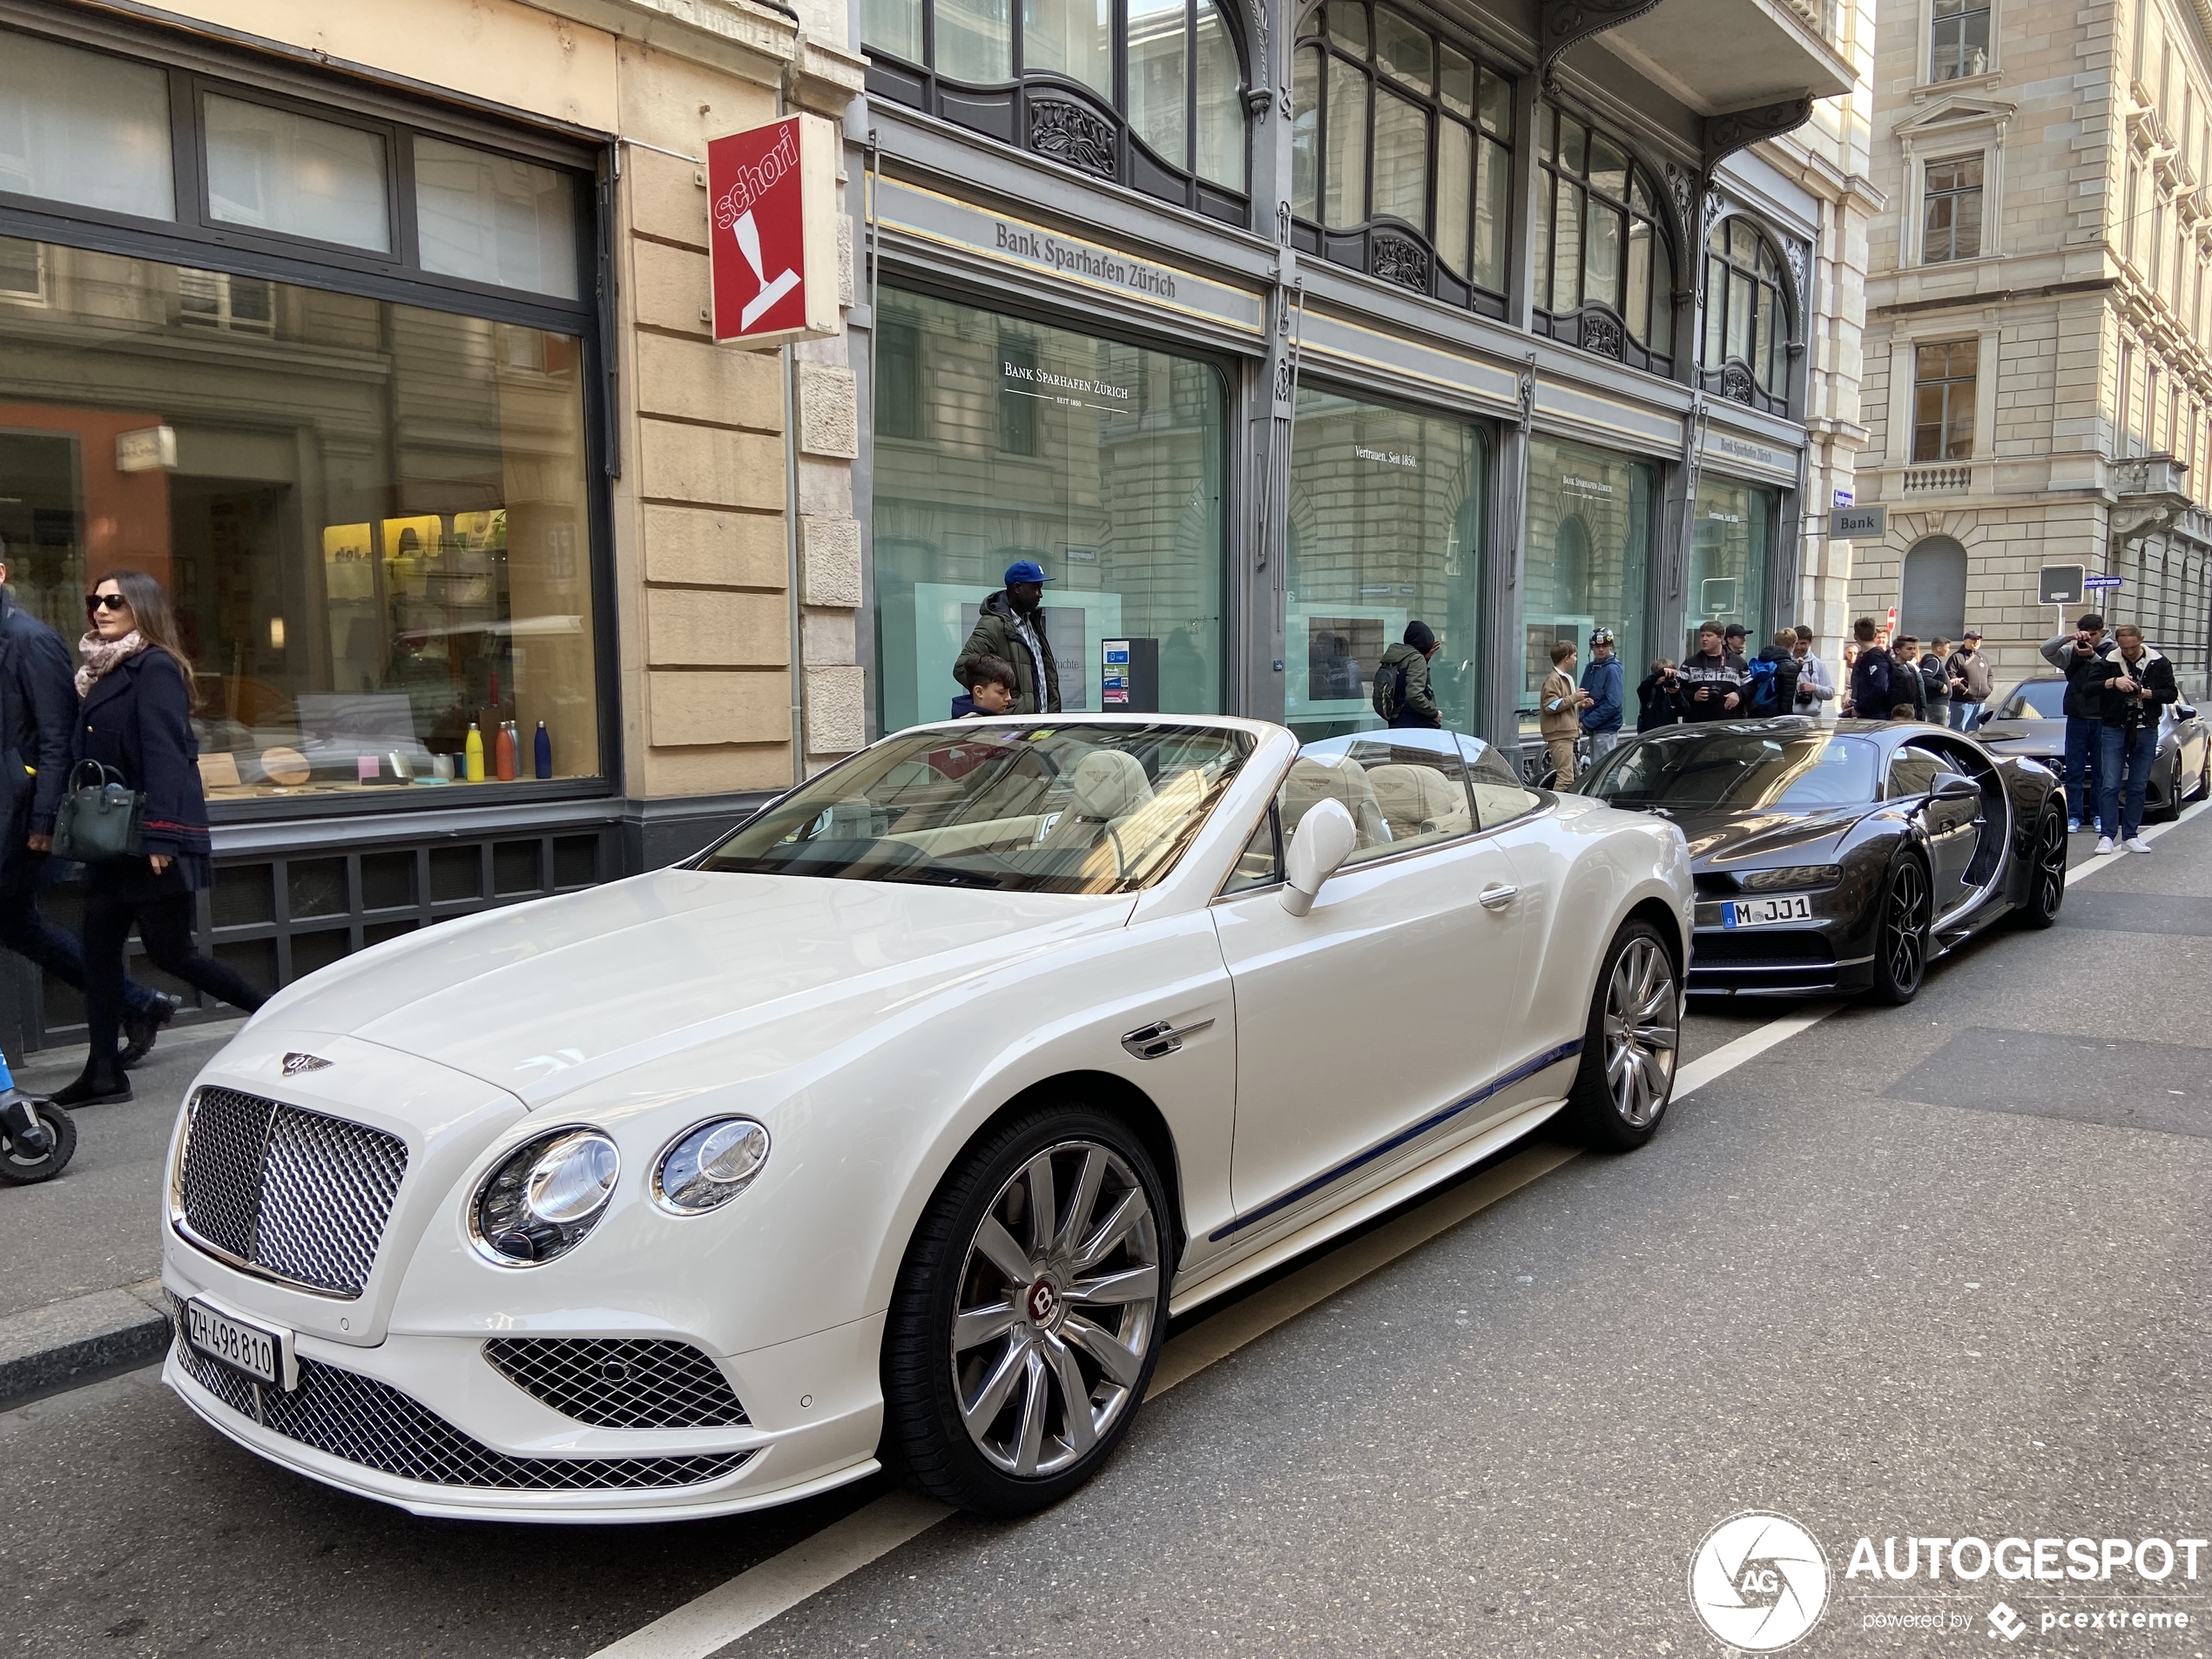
(2079,656)
(135,721)
(1712,686)
(2133,684)
(1658,697)
(1815,688)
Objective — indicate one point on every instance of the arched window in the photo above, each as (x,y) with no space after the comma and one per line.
(1605,270)
(1043,75)
(1934,601)
(1401,154)
(1747,319)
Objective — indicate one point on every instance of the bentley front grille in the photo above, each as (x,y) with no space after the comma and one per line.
(362,1420)
(633,1382)
(300,1195)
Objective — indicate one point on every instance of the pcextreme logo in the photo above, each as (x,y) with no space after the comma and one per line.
(1759,1583)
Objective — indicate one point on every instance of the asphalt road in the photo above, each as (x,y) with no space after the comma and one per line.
(1936,1270)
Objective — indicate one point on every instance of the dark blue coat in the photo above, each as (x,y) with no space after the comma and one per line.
(1603,682)
(37,717)
(137,719)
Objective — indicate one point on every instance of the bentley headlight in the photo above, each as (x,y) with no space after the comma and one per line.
(1792,875)
(710,1164)
(545,1197)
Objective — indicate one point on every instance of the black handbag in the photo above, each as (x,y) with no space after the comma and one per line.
(100,822)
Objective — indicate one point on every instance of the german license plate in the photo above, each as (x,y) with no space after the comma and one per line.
(1766,912)
(241,1346)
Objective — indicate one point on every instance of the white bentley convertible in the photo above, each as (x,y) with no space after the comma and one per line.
(894,1129)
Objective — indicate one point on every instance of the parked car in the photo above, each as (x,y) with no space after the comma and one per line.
(893,1128)
(1844,858)
(2029,720)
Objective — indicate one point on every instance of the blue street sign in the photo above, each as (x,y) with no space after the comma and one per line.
(2100,581)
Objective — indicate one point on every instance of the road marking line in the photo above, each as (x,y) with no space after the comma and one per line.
(706,1626)
(2097,861)
(1708,1067)
(758,1594)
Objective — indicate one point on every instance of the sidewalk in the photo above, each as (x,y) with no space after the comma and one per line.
(82,1292)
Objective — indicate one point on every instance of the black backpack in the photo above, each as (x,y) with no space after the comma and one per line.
(1390,691)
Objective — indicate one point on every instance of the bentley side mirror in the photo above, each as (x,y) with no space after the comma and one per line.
(1324,840)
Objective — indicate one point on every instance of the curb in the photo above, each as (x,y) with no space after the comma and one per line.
(64,1344)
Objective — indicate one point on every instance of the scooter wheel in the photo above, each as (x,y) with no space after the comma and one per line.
(20,1169)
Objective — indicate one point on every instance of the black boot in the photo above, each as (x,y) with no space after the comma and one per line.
(95,1085)
(141,1026)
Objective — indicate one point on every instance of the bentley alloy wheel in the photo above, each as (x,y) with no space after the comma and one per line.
(1641,1022)
(1628,1069)
(1901,943)
(1058,1298)
(1028,1314)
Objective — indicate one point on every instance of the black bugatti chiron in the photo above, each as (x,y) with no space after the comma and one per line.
(1844,857)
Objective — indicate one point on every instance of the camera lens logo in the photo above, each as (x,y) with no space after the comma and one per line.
(1759,1583)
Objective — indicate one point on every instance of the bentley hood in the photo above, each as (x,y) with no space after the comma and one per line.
(544,998)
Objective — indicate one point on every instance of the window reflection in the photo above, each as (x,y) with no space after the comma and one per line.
(392,551)
(1589,559)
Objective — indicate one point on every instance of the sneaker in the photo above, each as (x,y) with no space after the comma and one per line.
(2074,827)
(2104,844)
(2136,844)
(141,1026)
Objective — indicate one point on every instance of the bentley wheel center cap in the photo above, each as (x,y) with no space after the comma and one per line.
(1043,1302)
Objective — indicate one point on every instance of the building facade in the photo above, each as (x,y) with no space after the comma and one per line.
(382,335)
(2037,377)
(1267,329)
(378,334)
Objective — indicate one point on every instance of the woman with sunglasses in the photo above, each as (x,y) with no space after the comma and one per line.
(136,719)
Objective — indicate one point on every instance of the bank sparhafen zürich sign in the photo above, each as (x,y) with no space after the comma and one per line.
(771,247)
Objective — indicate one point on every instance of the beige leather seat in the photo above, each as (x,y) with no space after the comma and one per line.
(1108,786)
(1310,781)
(1419,801)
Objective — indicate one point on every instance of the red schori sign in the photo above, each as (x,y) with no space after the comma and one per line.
(772,252)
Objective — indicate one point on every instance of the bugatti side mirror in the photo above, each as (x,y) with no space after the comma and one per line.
(1324,840)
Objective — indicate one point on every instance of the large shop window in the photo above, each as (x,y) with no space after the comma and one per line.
(1731,543)
(1401,154)
(1146,92)
(1589,559)
(1005,439)
(1605,267)
(371,515)
(1746,355)
(1387,513)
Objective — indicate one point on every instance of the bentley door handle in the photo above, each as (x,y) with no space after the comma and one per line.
(1159,1039)
(1497,896)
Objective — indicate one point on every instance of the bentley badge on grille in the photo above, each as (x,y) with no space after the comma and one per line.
(296,1063)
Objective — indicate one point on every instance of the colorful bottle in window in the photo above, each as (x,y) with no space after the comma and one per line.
(543,757)
(474,751)
(503,751)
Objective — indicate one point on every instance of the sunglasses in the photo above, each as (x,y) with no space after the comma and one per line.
(96,602)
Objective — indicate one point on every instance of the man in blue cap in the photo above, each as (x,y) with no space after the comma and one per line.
(1012,627)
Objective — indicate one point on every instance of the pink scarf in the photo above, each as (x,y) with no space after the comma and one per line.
(100,655)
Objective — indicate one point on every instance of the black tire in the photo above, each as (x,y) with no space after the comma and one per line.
(2046,871)
(20,1170)
(1901,933)
(1627,1075)
(2171,809)
(1051,1326)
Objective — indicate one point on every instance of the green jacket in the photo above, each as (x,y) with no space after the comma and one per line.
(996,636)
(1419,708)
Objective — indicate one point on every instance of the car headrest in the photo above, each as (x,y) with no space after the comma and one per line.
(1109,784)
(1411,796)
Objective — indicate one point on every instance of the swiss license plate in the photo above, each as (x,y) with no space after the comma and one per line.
(241,1346)
(1766,912)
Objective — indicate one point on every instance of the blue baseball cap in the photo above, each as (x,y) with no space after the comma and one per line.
(1025,570)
